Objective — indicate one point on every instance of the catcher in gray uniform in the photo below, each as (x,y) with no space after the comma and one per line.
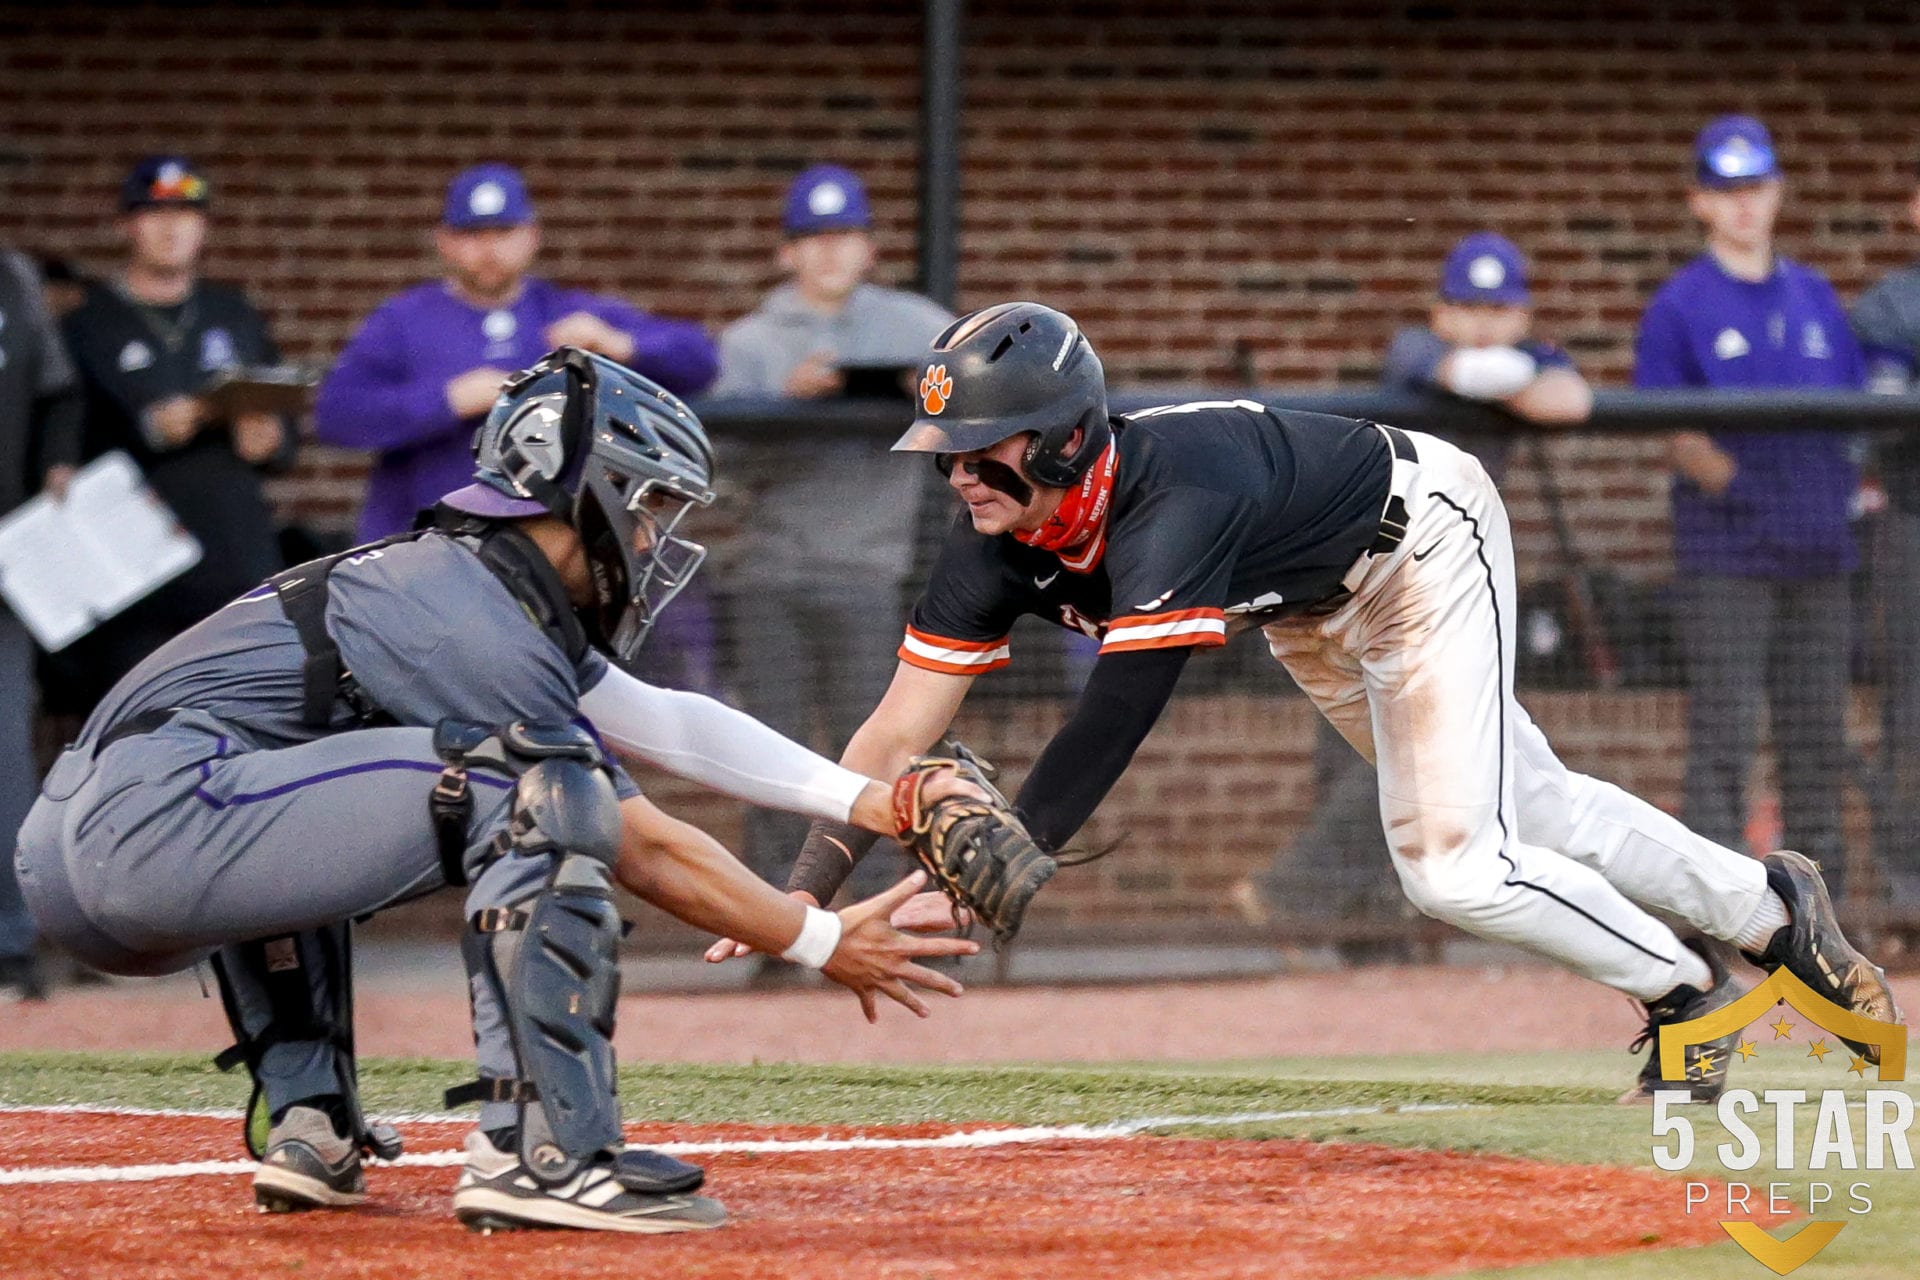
(434,710)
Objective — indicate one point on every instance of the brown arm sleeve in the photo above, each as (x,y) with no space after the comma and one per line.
(831,851)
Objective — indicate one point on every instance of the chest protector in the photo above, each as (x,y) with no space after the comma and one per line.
(508,553)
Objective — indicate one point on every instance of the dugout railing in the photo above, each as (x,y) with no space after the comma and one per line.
(1234,788)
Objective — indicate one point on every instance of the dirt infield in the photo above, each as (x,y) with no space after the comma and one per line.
(1113,1207)
(1401,1010)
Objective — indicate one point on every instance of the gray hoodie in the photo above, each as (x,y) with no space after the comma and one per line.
(835,507)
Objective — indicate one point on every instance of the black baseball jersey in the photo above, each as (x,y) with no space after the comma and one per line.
(132,356)
(1220,509)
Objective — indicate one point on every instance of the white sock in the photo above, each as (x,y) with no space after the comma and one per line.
(1692,971)
(1768,919)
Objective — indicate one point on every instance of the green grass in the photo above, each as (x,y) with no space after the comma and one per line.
(1546,1106)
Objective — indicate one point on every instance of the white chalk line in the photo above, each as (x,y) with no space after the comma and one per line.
(963,1139)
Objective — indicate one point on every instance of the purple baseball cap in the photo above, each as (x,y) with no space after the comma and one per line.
(1487,269)
(487,195)
(825,197)
(481,499)
(1734,151)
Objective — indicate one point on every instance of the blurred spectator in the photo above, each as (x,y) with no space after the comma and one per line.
(1477,343)
(1887,322)
(828,541)
(1760,520)
(425,367)
(147,343)
(40,424)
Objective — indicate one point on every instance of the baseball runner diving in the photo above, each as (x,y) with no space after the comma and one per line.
(438,709)
(1379,563)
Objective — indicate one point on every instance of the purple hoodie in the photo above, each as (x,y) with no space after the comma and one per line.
(387,392)
(1786,513)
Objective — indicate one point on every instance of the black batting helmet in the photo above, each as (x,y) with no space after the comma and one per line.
(1009,369)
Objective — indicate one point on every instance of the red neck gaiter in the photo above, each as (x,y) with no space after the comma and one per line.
(1077,531)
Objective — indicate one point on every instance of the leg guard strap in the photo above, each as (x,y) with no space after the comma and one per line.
(492,1089)
(296,990)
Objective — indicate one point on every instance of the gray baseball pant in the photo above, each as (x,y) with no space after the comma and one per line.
(176,843)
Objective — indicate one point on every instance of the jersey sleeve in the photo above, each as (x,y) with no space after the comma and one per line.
(1413,358)
(959,626)
(1171,564)
(1888,344)
(1845,348)
(1548,356)
(1662,357)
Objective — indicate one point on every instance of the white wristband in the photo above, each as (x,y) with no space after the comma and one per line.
(819,938)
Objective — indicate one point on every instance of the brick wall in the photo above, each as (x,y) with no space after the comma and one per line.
(1243,188)
(1215,190)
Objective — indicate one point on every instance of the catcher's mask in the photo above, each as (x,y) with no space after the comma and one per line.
(1013,369)
(619,458)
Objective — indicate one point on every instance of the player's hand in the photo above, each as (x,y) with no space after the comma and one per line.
(174,420)
(876,959)
(727,949)
(926,913)
(56,480)
(1696,457)
(473,392)
(814,377)
(873,807)
(922,913)
(256,436)
(590,333)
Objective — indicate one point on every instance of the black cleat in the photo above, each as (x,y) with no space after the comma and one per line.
(497,1193)
(25,976)
(1706,1064)
(1812,948)
(307,1165)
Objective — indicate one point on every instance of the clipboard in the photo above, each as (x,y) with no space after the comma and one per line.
(285,389)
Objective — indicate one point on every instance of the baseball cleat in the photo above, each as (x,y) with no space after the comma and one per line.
(497,1193)
(1706,1064)
(306,1165)
(1812,948)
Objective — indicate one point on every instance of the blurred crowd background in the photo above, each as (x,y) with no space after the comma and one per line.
(1512,205)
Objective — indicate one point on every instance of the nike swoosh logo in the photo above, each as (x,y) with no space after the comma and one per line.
(1155,603)
(841,847)
(1044,583)
(1422,555)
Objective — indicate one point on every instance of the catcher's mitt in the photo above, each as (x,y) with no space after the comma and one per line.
(977,851)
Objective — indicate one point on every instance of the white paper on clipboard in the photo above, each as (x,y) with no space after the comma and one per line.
(67,566)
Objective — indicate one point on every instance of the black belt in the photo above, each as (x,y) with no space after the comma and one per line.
(133,726)
(1393,519)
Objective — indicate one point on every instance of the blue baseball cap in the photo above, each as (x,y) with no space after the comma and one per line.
(487,195)
(163,180)
(1487,269)
(1733,151)
(825,198)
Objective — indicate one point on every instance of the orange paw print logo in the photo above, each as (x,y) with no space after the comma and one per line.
(935,387)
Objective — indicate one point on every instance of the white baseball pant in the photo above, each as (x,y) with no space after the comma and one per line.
(1487,829)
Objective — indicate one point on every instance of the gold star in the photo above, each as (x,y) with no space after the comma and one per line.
(1708,1060)
(1818,1049)
(1859,1067)
(1746,1050)
(1781,1029)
